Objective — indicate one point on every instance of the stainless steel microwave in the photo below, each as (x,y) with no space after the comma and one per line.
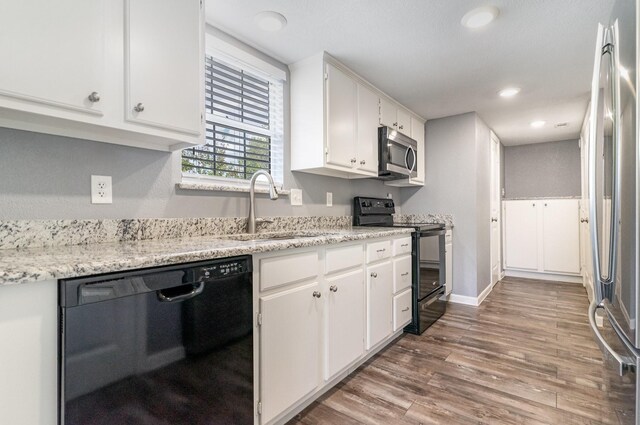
(396,155)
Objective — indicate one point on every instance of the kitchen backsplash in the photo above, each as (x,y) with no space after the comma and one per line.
(49,233)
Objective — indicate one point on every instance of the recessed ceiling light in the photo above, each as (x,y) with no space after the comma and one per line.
(509,92)
(538,124)
(480,16)
(270,21)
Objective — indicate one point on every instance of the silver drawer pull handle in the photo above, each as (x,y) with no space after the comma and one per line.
(381,250)
(374,275)
(404,245)
(405,309)
(405,274)
(317,294)
(333,288)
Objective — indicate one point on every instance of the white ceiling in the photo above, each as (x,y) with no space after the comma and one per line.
(417,52)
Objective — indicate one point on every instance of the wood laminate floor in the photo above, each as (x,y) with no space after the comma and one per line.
(525,356)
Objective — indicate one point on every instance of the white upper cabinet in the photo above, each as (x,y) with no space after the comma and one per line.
(335,115)
(367,141)
(79,68)
(388,113)
(404,122)
(53,54)
(342,104)
(164,64)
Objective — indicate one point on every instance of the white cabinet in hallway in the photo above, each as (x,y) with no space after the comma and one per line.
(542,236)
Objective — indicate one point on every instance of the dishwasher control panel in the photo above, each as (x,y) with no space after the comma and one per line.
(221,270)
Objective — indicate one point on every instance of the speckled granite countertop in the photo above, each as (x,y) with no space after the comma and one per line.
(57,262)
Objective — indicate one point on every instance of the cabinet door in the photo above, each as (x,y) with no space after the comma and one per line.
(53,52)
(289,348)
(521,235)
(404,122)
(367,142)
(341,118)
(164,56)
(561,236)
(417,133)
(379,302)
(345,324)
(388,113)
(448,275)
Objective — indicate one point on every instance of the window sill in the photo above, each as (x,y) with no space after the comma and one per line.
(227,187)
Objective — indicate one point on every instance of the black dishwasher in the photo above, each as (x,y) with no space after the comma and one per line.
(169,345)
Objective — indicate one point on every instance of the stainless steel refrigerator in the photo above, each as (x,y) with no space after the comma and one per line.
(614,208)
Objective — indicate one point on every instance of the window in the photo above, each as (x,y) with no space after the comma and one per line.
(244,124)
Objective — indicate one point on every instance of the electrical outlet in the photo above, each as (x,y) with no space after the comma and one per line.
(329,199)
(101,191)
(296,197)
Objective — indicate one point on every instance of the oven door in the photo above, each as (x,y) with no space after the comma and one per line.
(397,155)
(431,262)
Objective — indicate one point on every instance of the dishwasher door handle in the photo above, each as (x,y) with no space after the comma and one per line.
(197,290)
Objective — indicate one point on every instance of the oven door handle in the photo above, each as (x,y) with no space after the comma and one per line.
(197,290)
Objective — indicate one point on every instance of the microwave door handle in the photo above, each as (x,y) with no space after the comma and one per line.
(406,159)
(415,160)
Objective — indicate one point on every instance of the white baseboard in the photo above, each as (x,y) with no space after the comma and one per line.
(474,301)
(544,276)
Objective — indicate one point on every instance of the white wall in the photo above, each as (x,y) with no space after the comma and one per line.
(457,182)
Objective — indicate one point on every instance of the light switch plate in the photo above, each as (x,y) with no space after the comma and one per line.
(101,190)
(329,199)
(296,197)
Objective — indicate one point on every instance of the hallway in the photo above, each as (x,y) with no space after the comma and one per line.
(525,356)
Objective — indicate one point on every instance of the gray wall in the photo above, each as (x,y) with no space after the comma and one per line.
(48,177)
(457,182)
(542,170)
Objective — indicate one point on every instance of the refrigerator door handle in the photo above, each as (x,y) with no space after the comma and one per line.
(604,284)
(623,364)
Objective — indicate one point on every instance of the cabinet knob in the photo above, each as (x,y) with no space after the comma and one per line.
(353,160)
(374,275)
(395,124)
(494,220)
(533,205)
(94,97)
(333,288)
(363,162)
(545,205)
(584,220)
(317,294)
(139,107)
(401,127)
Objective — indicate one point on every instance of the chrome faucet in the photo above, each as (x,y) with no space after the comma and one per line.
(273,194)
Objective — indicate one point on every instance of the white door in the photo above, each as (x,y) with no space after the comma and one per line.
(388,113)
(404,122)
(521,235)
(495,209)
(341,118)
(164,56)
(585,241)
(367,142)
(289,347)
(53,52)
(379,302)
(345,321)
(561,240)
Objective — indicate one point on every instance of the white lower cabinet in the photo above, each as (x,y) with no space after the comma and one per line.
(289,347)
(345,321)
(542,235)
(312,320)
(379,302)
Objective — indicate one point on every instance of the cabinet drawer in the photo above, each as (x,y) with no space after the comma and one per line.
(343,257)
(278,271)
(402,246)
(378,250)
(401,273)
(401,310)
